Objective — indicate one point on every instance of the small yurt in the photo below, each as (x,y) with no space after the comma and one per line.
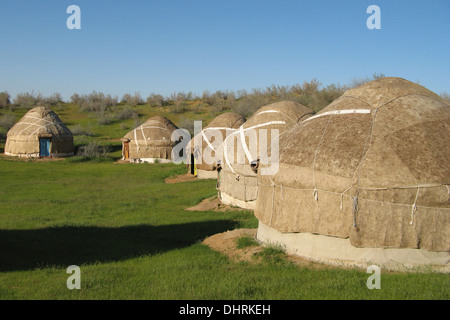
(365,181)
(40,133)
(150,142)
(237,182)
(206,147)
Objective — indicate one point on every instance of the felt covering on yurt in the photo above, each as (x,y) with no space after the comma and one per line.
(238,183)
(223,125)
(151,141)
(371,167)
(40,122)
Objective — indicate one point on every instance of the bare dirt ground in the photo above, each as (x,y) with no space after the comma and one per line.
(226,243)
(213,204)
(181,178)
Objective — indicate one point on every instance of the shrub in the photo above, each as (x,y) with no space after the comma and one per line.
(54,99)
(29,100)
(127,113)
(132,100)
(156,100)
(4,99)
(93,150)
(95,101)
(104,118)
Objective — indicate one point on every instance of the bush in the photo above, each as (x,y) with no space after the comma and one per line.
(132,100)
(93,150)
(156,100)
(29,100)
(95,101)
(4,99)
(127,113)
(104,118)
(54,99)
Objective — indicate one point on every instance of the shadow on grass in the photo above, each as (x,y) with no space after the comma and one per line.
(64,246)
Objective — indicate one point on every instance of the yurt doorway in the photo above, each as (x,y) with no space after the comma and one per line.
(44,147)
(126,150)
(193,168)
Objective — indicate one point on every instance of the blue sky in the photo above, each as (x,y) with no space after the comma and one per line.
(166,46)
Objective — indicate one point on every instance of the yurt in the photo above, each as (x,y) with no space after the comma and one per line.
(365,181)
(151,142)
(237,182)
(206,147)
(40,133)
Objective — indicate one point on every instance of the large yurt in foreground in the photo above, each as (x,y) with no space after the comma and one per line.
(40,133)
(150,142)
(238,183)
(206,147)
(364,181)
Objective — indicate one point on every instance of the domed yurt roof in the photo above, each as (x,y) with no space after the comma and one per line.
(279,116)
(40,122)
(227,120)
(151,141)
(156,128)
(238,183)
(208,141)
(371,167)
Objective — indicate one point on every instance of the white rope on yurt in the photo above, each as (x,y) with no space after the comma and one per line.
(414,206)
(238,131)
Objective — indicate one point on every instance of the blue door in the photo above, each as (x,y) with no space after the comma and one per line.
(44,147)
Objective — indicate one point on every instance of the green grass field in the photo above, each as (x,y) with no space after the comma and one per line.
(132,239)
(128,232)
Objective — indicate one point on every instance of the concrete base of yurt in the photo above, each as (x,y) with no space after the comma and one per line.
(231,201)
